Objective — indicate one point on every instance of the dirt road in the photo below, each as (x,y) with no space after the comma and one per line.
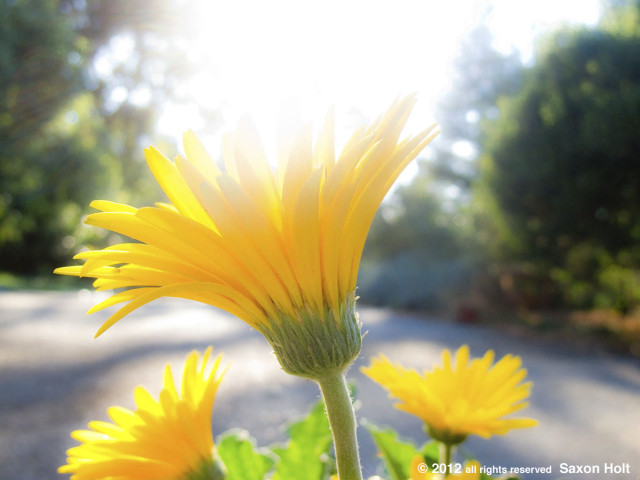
(54,378)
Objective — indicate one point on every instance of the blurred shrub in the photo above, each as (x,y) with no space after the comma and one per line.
(413,280)
(591,277)
(418,254)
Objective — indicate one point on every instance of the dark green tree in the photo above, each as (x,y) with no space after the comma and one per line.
(39,76)
(561,168)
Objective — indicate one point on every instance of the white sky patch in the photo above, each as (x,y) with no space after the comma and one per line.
(519,23)
(464,149)
(355,55)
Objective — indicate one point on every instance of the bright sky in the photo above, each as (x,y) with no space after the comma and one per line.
(357,55)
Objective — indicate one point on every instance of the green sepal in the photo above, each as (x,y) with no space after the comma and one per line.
(210,469)
(314,344)
(445,436)
(241,458)
(306,455)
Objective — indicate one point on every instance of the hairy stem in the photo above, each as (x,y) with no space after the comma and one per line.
(445,457)
(343,425)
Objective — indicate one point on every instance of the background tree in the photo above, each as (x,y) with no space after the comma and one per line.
(81,87)
(417,252)
(422,246)
(621,17)
(39,77)
(561,171)
(480,76)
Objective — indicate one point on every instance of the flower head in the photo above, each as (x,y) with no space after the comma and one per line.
(169,438)
(279,249)
(462,398)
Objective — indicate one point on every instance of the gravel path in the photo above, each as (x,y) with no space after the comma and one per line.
(54,378)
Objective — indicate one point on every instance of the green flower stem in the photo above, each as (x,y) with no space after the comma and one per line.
(342,419)
(445,456)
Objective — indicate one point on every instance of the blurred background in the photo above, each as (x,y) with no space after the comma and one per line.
(518,228)
(524,211)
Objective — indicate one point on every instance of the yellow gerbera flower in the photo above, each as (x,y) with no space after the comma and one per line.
(457,400)
(280,250)
(169,438)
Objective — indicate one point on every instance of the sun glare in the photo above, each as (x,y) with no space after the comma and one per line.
(355,55)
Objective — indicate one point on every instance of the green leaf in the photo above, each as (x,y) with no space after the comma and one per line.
(430,451)
(305,457)
(238,453)
(396,454)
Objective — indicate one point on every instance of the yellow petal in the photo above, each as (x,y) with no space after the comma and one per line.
(198,155)
(305,242)
(454,399)
(172,183)
(299,168)
(254,172)
(217,295)
(324,152)
(107,206)
(289,123)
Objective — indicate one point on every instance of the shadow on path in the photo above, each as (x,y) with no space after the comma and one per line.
(54,378)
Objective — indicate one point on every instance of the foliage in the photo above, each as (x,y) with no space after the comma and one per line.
(556,201)
(481,75)
(307,455)
(397,454)
(417,253)
(240,457)
(423,248)
(38,206)
(66,129)
(560,174)
(621,17)
(594,277)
